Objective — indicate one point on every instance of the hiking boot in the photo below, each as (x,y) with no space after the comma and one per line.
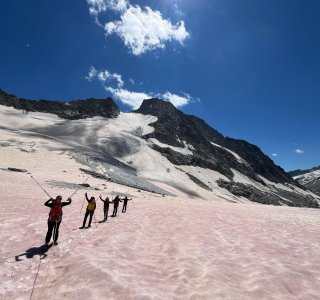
(55,243)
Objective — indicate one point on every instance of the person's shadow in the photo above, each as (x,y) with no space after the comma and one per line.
(30,253)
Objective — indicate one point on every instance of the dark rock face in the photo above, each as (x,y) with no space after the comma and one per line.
(260,163)
(314,185)
(173,127)
(276,198)
(72,110)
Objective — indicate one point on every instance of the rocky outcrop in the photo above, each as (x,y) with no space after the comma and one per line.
(278,197)
(210,149)
(78,109)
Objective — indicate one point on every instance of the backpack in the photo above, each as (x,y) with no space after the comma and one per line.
(55,213)
(91,206)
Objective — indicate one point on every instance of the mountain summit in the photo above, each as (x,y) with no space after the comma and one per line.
(210,149)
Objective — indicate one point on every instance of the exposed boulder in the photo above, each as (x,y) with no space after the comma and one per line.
(17,170)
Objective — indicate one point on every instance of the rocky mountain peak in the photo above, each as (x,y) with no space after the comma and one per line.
(157,107)
(209,147)
(77,109)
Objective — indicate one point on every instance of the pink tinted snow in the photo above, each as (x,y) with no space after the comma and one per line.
(163,248)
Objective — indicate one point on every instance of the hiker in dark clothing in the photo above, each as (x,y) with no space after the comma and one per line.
(55,218)
(106,203)
(91,207)
(116,201)
(125,202)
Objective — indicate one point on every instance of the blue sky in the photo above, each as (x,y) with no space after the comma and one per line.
(251,69)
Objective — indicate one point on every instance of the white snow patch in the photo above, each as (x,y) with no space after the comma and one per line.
(133,123)
(210,177)
(239,177)
(240,159)
(308,177)
(184,151)
(288,187)
(13,118)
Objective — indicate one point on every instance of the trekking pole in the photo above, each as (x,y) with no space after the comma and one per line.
(133,203)
(40,186)
(79,187)
(82,206)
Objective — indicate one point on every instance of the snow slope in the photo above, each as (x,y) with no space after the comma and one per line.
(197,244)
(164,248)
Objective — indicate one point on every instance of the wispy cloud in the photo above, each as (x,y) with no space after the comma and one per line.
(91,74)
(274,154)
(299,151)
(141,29)
(177,10)
(105,77)
(97,7)
(113,83)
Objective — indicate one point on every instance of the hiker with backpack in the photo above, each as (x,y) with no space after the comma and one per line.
(125,202)
(91,207)
(55,218)
(106,204)
(116,202)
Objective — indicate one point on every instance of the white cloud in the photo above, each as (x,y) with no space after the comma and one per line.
(299,151)
(132,99)
(274,154)
(113,83)
(145,30)
(176,100)
(96,7)
(119,5)
(141,29)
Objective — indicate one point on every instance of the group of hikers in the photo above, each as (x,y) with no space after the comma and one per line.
(55,214)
